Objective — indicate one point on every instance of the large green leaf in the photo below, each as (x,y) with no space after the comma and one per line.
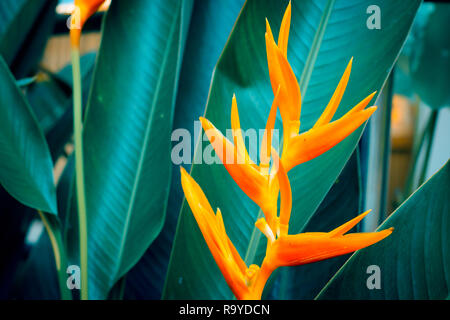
(333,32)
(127,134)
(210,26)
(414,261)
(425,59)
(26,166)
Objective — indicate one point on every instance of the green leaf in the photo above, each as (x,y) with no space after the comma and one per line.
(37,278)
(414,260)
(26,166)
(242,69)
(24,29)
(425,59)
(341,204)
(127,134)
(210,26)
(27,59)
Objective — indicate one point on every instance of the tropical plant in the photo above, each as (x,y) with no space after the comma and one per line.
(119,213)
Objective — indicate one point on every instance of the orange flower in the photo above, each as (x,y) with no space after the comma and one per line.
(253,179)
(264,184)
(83,10)
(211,225)
(324,135)
(282,249)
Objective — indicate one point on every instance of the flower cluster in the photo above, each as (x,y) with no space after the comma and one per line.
(264,184)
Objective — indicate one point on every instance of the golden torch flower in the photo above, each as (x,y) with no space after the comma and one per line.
(264,185)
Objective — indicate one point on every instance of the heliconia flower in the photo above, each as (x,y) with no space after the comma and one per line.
(264,184)
(85,9)
(298,148)
(282,249)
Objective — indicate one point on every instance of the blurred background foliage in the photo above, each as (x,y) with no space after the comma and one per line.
(403,145)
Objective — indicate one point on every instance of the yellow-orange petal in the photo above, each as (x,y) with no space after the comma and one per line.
(83,10)
(361,105)
(314,142)
(339,231)
(336,98)
(281,74)
(285,194)
(246,175)
(213,230)
(266,145)
(264,227)
(283,35)
(193,192)
(306,248)
(237,133)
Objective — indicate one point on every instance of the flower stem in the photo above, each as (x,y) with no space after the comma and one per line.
(79,170)
(257,288)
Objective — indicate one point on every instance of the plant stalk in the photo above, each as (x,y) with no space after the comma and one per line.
(54,234)
(79,170)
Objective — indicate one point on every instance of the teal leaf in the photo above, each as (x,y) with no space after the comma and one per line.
(126,134)
(26,166)
(414,261)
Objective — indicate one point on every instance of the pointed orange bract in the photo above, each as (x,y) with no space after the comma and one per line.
(211,225)
(264,184)
(292,250)
(253,179)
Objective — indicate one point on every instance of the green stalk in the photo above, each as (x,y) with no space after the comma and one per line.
(426,134)
(79,170)
(430,135)
(54,234)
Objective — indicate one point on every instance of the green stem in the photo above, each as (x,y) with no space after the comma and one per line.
(54,234)
(427,133)
(79,170)
(430,135)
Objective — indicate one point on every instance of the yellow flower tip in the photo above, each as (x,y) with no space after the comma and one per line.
(84,9)
(285,190)
(339,231)
(206,124)
(283,35)
(263,226)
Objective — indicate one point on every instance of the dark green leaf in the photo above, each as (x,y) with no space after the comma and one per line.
(425,60)
(26,166)
(127,134)
(210,26)
(414,261)
(24,28)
